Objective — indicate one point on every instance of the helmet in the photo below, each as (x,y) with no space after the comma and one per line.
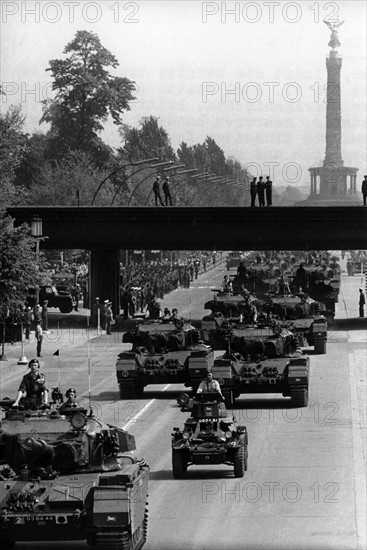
(69,391)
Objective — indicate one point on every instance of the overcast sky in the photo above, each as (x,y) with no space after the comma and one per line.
(187,56)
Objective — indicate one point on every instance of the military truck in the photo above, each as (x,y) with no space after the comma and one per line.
(62,300)
(270,365)
(69,477)
(209,436)
(163,352)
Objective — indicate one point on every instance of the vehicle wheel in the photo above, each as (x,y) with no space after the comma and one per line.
(245,462)
(127,389)
(139,388)
(299,398)
(183,400)
(239,462)
(320,347)
(66,309)
(179,465)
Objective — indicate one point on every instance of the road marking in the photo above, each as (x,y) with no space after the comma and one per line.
(133,420)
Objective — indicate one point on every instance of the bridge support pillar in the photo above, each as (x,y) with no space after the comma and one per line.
(105,277)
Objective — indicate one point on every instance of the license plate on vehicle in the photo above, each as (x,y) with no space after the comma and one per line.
(39,519)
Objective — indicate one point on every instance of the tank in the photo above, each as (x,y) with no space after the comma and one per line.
(227,310)
(209,437)
(67,477)
(270,364)
(163,352)
(299,313)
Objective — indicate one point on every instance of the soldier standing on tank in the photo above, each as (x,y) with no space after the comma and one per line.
(157,191)
(253,192)
(260,188)
(268,191)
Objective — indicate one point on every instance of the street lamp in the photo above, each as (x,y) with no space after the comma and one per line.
(36,231)
(175,167)
(135,163)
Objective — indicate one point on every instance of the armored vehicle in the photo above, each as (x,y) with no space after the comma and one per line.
(209,436)
(59,299)
(227,309)
(269,365)
(302,317)
(69,477)
(162,352)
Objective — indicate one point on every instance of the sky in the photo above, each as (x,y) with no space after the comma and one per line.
(250,75)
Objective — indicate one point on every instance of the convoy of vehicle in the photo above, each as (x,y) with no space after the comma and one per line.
(69,477)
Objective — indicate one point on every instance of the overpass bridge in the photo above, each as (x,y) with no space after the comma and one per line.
(106,230)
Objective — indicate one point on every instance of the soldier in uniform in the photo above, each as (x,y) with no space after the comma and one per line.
(260,187)
(166,191)
(157,191)
(70,402)
(253,192)
(268,191)
(32,388)
(209,385)
(364,190)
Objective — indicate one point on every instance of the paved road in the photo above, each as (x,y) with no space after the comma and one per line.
(305,486)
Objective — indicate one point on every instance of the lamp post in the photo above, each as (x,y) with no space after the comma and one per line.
(136,163)
(36,231)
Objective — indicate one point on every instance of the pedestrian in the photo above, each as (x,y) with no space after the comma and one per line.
(37,316)
(362,301)
(260,188)
(253,191)
(39,338)
(75,296)
(157,191)
(108,316)
(166,191)
(364,190)
(44,315)
(27,318)
(268,191)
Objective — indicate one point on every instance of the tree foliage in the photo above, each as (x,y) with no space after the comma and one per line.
(86,94)
(13,147)
(58,182)
(148,141)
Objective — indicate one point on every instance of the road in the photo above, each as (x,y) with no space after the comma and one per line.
(305,486)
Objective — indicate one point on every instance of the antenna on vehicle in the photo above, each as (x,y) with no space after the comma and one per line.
(89,386)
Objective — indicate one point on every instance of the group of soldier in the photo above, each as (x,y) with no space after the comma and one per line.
(261,189)
(166,190)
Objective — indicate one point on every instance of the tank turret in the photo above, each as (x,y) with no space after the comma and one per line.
(69,477)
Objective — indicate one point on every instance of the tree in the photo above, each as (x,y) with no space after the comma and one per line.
(13,147)
(18,269)
(149,140)
(58,182)
(86,94)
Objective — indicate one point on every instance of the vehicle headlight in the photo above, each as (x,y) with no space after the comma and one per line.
(186,435)
(125,373)
(228,435)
